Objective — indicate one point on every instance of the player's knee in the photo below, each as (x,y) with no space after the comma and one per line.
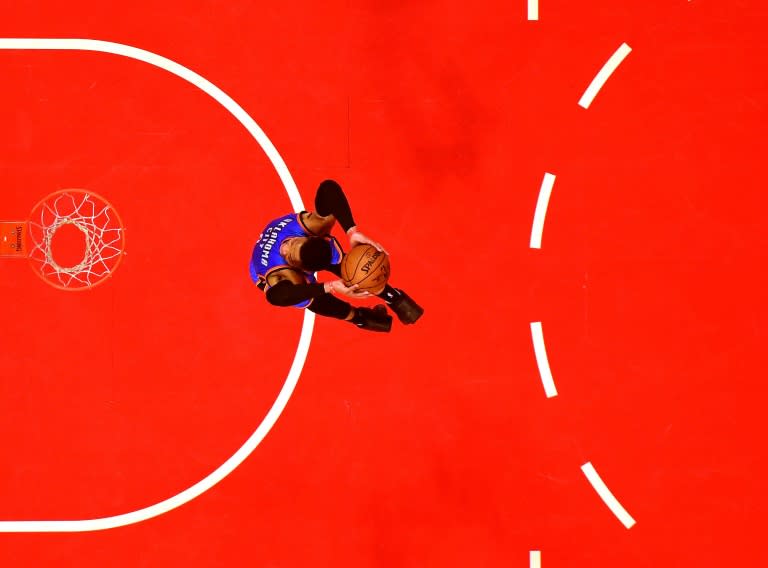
(279,294)
(279,302)
(330,306)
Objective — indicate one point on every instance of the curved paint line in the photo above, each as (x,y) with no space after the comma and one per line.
(540,351)
(541,210)
(606,495)
(533,9)
(309,318)
(603,75)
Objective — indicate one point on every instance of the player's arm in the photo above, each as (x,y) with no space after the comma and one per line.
(332,205)
(316,224)
(288,287)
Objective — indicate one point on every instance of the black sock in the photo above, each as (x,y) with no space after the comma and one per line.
(358,318)
(389,294)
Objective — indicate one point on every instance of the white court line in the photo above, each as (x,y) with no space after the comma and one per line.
(541,359)
(606,495)
(545,191)
(535,558)
(603,75)
(533,9)
(309,318)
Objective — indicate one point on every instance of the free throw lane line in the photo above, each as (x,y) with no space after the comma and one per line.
(302,349)
(602,76)
(606,495)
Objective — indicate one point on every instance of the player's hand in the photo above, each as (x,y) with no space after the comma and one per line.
(338,287)
(358,238)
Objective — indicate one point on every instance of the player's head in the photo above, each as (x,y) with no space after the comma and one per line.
(315,254)
(308,253)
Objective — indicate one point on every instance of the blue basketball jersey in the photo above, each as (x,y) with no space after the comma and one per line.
(266,255)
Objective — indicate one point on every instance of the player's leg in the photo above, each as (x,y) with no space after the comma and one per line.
(372,319)
(398,301)
(402,304)
(330,200)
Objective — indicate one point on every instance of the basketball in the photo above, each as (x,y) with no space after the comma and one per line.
(367,267)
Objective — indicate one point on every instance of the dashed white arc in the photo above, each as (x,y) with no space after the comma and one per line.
(540,214)
(602,76)
(540,351)
(533,9)
(302,349)
(607,496)
(535,243)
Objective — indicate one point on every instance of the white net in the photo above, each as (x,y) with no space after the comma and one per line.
(103,238)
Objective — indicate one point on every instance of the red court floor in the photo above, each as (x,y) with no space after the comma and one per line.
(435,445)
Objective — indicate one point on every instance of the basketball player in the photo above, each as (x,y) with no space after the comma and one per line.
(293,247)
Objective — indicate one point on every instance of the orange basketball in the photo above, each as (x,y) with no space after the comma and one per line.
(367,267)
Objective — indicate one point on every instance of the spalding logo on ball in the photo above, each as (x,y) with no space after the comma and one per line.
(367,267)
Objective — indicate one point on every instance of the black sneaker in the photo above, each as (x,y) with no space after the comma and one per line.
(406,309)
(376,319)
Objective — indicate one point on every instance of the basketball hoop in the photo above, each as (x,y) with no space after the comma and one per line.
(99,226)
